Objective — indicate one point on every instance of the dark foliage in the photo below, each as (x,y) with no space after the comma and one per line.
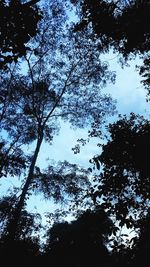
(81,242)
(29,224)
(120,25)
(124,182)
(138,253)
(145,73)
(123,25)
(12,160)
(25,247)
(142,244)
(20,252)
(62,182)
(18,23)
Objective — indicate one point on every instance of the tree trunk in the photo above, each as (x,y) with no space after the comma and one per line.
(12,228)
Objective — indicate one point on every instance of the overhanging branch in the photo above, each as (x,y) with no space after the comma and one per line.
(31,3)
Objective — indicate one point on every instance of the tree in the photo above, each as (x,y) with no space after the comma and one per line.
(124,182)
(61,182)
(29,224)
(122,25)
(18,24)
(144,71)
(27,242)
(63,78)
(12,157)
(142,244)
(80,242)
(13,161)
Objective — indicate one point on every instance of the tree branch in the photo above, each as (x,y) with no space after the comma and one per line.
(60,96)
(31,3)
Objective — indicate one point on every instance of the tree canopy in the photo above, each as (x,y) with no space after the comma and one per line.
(120,24)
(62,77)
(124,179)
(18,24)
(81,242)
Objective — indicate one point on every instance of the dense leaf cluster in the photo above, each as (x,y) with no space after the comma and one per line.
(124,25)
(18,24)
(124,181)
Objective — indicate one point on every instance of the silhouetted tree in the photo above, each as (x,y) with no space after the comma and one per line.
(119,25)
(138,251)
(122,25)
(144,71)
(142,244)
(124,181)
(81,242)
(13,161)
(63,78)
(26,246)
(65,180)
(12,157)
(18,24)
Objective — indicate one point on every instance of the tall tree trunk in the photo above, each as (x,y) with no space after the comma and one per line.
(12,228)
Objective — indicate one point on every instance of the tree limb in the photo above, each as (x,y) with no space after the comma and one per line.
(31,3)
